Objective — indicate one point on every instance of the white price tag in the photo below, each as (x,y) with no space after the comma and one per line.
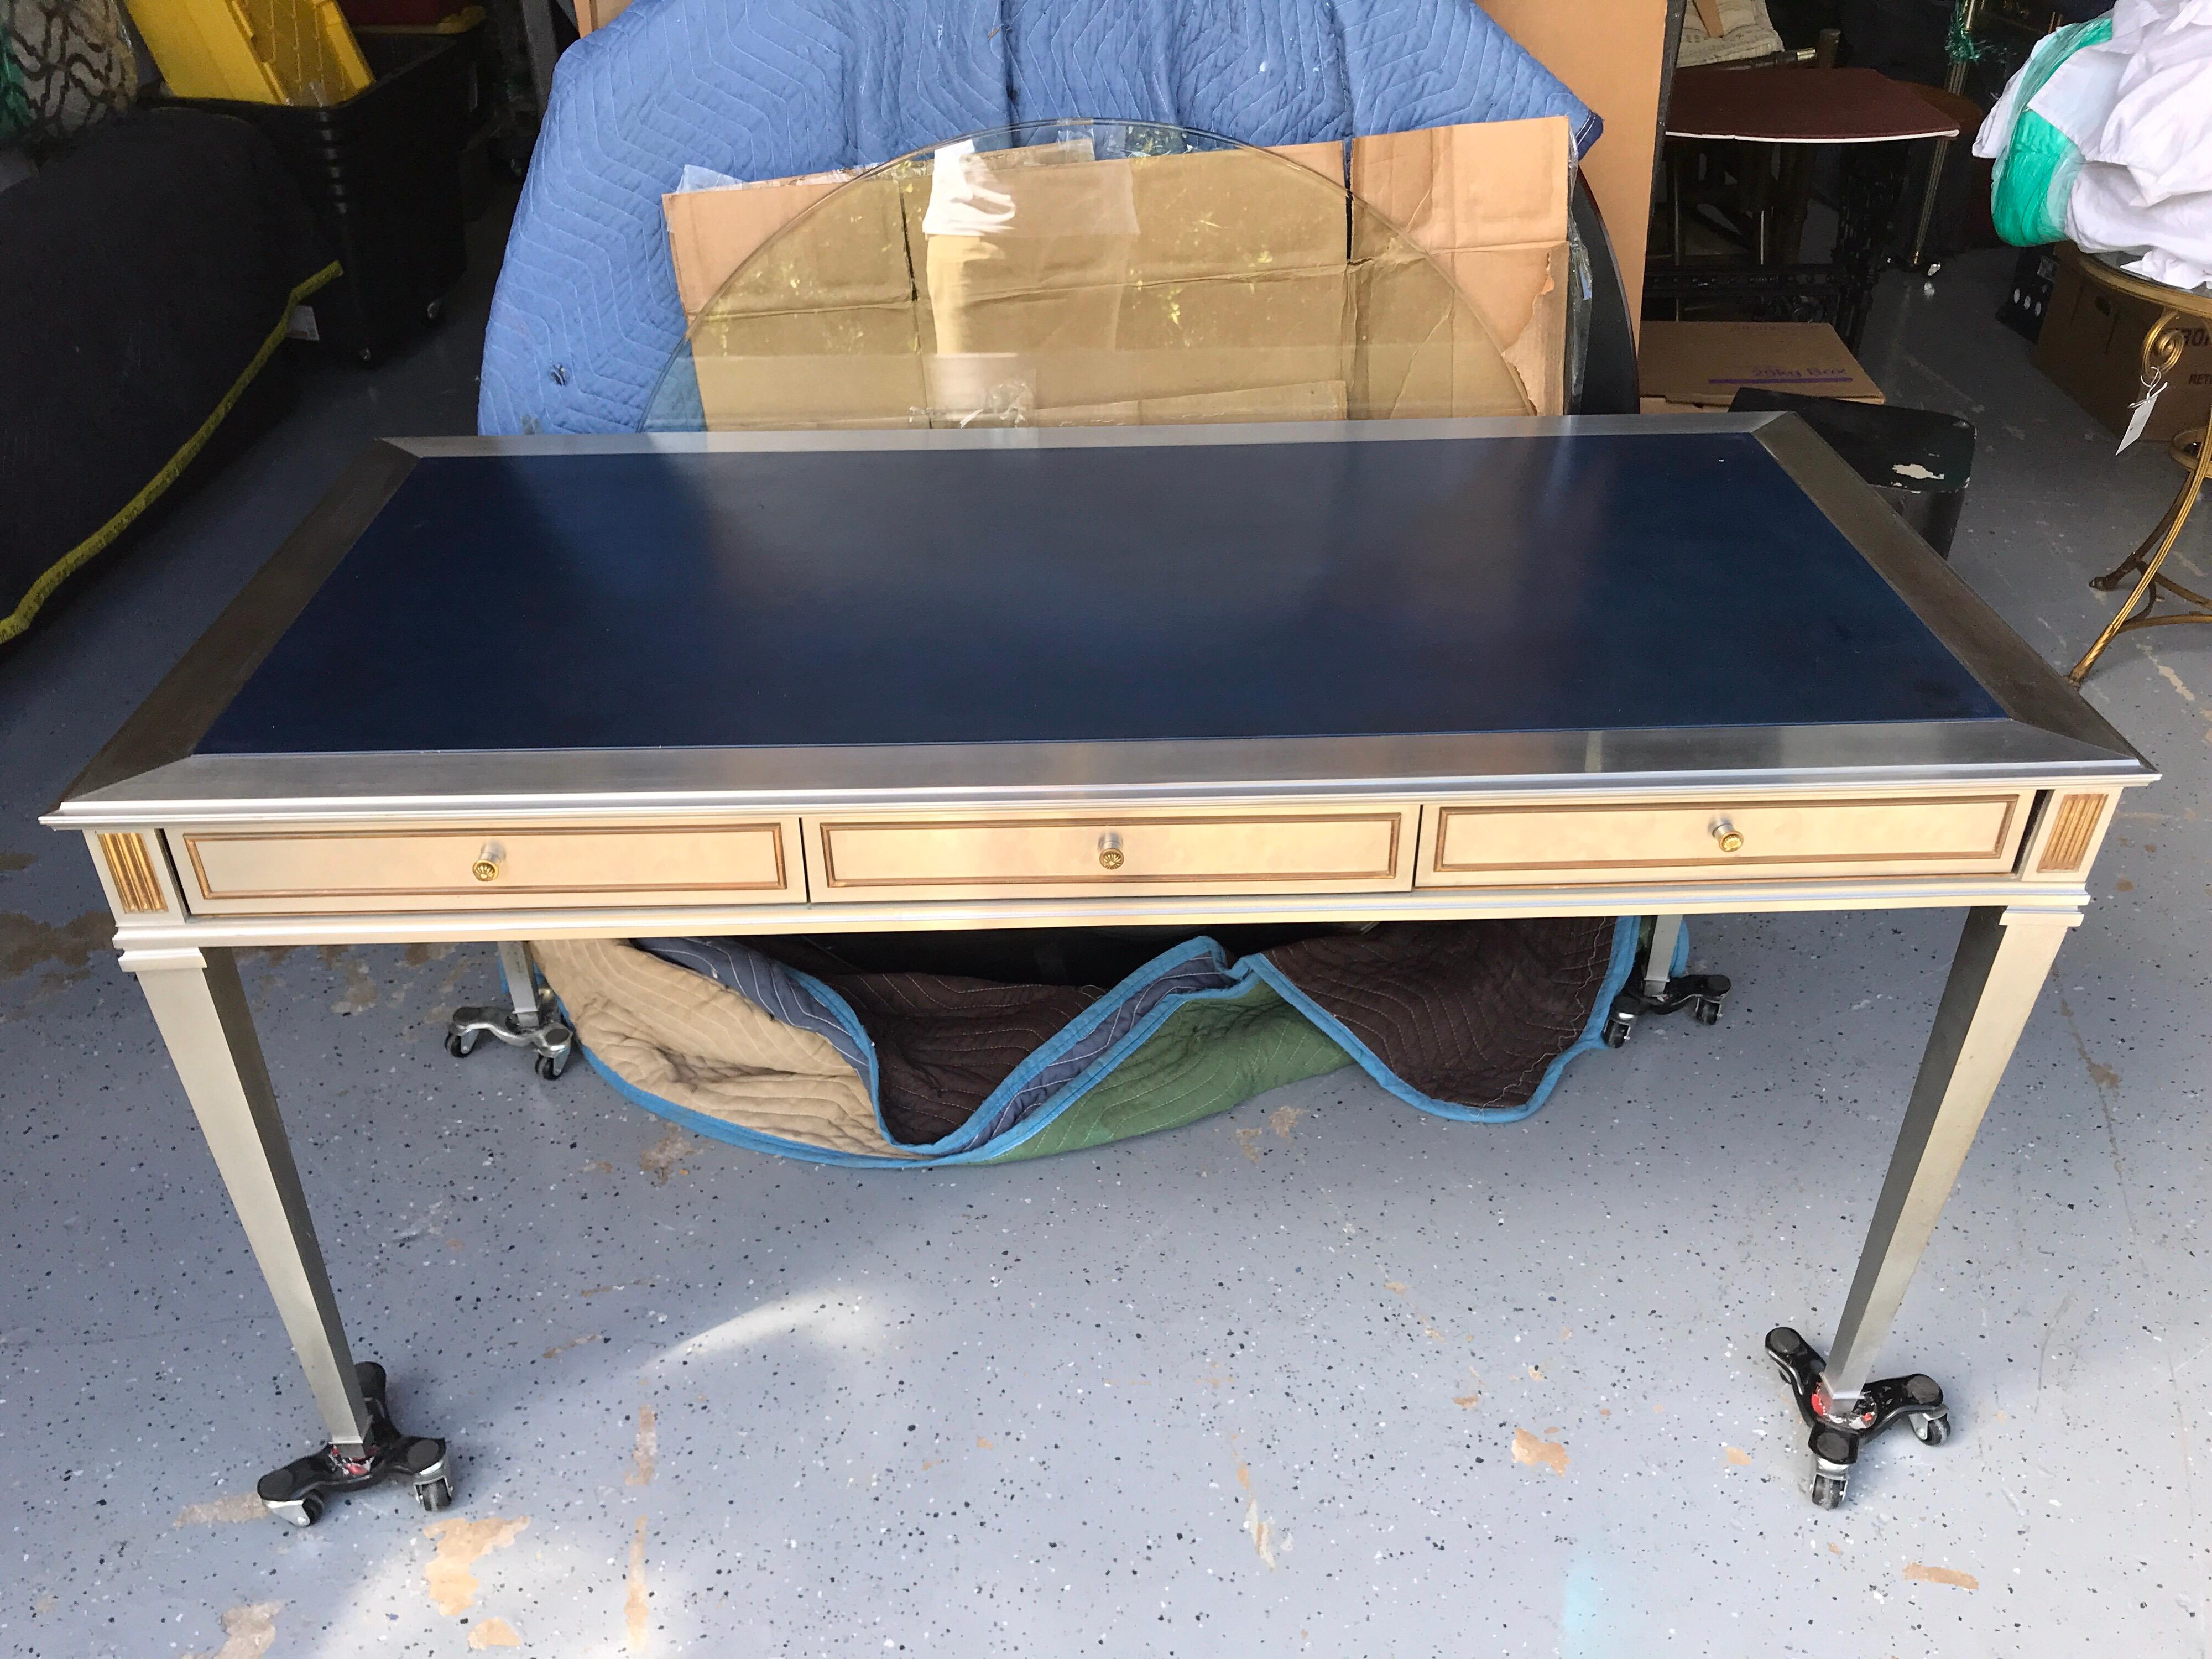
(2139,415)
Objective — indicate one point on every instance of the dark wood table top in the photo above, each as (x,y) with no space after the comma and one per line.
(1791,105)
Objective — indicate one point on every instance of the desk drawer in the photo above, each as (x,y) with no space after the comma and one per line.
(1364,849)
(487,867)
(1722,840)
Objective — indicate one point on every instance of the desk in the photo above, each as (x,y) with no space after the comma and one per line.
(1596,666)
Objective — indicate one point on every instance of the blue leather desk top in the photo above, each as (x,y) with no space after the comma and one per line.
(742,599)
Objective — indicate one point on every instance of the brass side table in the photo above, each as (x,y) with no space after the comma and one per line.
(2161,350)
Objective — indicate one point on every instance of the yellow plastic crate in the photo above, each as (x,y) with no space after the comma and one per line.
(299,52)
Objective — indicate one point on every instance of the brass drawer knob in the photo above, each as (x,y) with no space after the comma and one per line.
(486,868)
(1109,850)
(1730,837)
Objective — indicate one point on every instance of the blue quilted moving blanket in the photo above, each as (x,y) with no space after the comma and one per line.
(586,315)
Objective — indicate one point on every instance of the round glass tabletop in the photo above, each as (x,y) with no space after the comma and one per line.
(1078,273)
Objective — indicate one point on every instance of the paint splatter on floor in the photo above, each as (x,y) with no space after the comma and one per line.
(27,943)
(560,1348)
(360,991)
(461,1544)
(1528,1449)
(636,1606)
(1262,1534)
(647,1455)
(1283,1119)
(236,1506)
(1737,1456)
(1248,1138)
(661,1159)
(1928,1575)
(494,1633)
(247,1631)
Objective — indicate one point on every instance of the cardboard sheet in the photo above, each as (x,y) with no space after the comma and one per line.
(1040,285)
(1704,365)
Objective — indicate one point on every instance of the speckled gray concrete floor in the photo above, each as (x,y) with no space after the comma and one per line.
(1253,1387)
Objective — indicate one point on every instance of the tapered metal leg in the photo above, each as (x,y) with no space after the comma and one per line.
(200,1006)
(1659,965)
(2004,958)
(520,973)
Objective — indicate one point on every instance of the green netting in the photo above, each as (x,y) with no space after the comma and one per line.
(2035,175)
(14,108)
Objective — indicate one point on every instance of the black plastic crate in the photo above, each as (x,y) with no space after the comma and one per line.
(381,173)
(2033,276)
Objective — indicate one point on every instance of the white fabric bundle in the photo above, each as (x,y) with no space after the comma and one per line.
(2140,109)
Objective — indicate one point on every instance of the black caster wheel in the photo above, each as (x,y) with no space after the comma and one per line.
(296,1494)
(434,310)
(367,356)
(1620,1019)
(1839,1433)
(461,1044)
(549,1067)
(1708,1012)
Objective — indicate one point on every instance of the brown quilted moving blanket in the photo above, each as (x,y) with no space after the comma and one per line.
(1467,1012)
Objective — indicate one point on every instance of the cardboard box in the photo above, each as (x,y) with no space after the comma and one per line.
(1488,203)
(2092,346)
(1043,285)
(1704,365)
